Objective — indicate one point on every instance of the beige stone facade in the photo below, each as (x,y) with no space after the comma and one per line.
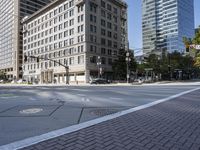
(74,33)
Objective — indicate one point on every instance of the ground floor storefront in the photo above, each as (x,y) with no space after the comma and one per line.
(51,77)
(63,77)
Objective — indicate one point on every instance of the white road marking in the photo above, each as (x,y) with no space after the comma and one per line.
(116,98)
(82,90)
(85,99)
(33,99)
(80,94)
(34,140)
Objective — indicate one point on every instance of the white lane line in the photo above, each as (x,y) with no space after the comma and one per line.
(82,90)
(80,94)
(34,140)
(115,98)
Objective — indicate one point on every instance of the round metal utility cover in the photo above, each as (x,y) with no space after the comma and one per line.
(31,111)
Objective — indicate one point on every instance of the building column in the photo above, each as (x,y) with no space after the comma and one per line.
(75,78)
(58,78)
(87,76)
(45,77)
(63,78)
(49,76)
(52,77)
(41,78)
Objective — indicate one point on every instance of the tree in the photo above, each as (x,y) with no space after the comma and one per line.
(167,64)
(120,65)
(196,41)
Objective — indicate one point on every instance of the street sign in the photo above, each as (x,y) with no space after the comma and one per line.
(198,47)
(195,46)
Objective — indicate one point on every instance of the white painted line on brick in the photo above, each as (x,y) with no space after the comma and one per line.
(34,140)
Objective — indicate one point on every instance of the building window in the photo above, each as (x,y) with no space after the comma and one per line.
(93,59)
(93,7)
(71,12)
(103,13)
(103,41)
(80,28)
(103,4)
(71,61)
(71,3)
(80,59)
(103,60)
(103,51)
(110,61)
(103,22)
(109,16)
(109,25)
(80,18)
(80,8)
(109,43)
(66,6)
(71,22)
(109,34)
(109,7)
(60,9)
(103,32)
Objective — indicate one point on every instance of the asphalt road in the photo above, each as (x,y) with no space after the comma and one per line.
(29,111)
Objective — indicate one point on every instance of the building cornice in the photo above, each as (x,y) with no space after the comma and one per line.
(55,3)
(43,10)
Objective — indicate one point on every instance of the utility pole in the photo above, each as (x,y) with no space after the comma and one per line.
(128,60)
(67,74)
(99,66)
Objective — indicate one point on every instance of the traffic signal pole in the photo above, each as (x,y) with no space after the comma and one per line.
(39,58)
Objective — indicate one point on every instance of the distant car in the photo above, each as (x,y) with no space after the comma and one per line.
(20,81)
(99,81)
(3,81)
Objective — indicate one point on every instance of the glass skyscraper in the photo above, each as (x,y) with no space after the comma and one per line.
(11,14)
(165,23)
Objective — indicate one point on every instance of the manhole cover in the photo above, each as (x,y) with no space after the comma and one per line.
(103,112)
(31,111)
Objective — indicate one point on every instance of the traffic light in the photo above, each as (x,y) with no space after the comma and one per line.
(25,58)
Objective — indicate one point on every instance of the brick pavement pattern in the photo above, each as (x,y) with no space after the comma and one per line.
(172,125)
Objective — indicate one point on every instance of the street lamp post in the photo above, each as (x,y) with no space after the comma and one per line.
(128,59)
(99,66)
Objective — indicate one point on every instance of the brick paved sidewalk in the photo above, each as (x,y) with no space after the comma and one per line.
(172,125)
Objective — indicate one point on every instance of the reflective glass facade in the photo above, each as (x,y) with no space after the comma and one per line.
(165,23)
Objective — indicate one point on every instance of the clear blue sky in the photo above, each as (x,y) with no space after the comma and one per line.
(135,21)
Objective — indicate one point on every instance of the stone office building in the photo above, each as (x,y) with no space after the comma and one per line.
(11,13)
(85,35)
